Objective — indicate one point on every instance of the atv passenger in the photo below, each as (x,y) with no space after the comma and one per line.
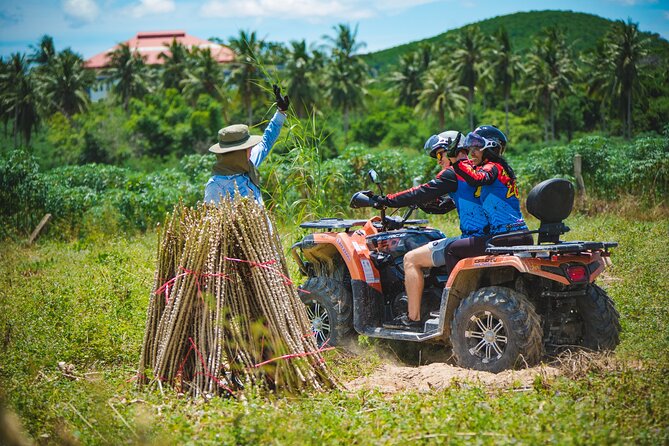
(239,154)
(496,181)
(447,147)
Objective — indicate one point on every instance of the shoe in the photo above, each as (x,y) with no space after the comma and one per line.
(403,322)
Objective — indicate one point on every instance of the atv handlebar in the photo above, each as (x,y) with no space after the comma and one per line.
(362,200)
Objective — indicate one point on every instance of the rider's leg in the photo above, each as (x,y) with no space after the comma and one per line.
(463,248)
(414,262)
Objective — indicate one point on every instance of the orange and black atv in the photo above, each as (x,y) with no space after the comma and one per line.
(497,311)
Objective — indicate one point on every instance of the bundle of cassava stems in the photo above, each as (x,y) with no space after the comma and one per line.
(223,314)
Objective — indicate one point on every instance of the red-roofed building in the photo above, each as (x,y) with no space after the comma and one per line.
(151,44)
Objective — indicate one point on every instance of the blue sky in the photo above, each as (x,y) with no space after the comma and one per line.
(93,26)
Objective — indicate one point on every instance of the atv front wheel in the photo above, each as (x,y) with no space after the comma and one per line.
(329,307)
(601,326)
(494,329)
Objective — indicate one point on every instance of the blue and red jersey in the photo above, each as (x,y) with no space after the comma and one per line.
(498,193)
(473,221)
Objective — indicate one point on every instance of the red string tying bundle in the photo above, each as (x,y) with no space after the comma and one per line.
(165,287)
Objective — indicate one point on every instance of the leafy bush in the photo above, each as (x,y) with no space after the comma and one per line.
(166,124)
(78,196)
(21,191)
(610,167)
(301,184)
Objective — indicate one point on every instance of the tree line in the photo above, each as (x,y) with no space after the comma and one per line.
(457,81)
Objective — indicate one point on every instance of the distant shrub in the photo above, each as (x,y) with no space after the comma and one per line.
(610,166)
(115,197)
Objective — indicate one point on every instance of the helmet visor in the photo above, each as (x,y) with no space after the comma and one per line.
(474,141)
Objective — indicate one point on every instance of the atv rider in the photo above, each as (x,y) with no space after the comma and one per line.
(447,147)
(496,181)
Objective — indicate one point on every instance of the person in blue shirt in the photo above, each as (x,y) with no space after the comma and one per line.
(239,154)
(495,180)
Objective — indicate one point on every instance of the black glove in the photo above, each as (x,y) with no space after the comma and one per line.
(438,206)
(282,102)
(379,201)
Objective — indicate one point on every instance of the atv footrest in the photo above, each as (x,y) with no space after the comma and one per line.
(403,335)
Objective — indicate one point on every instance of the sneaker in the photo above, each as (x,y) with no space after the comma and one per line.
(403,322)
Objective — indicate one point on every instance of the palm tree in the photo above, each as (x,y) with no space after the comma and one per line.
(470,59)
(599,78)
(18,99)
(550,74)
(506,69)
(425,54)
(204,76)
(64,84)
(407,81)
(4,92)
(345,73)
(627,47)
(441,94)
(127,72)
(43,52)
(174,67)
(300,71)
(246,74)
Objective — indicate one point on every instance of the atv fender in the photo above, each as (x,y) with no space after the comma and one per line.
(467,274)
(319,248)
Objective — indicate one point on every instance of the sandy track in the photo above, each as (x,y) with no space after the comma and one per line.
(392,378)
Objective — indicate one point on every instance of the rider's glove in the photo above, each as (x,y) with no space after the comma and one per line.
(379,201)
(282,101)
(438,206)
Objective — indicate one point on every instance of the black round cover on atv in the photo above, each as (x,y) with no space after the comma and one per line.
(551,201)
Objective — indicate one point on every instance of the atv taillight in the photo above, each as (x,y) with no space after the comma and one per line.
(577,273)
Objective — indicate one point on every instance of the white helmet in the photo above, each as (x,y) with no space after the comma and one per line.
(451,141)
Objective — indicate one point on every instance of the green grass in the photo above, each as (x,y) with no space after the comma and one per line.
(84,303)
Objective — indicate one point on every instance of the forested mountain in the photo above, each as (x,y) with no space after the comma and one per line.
(582,30)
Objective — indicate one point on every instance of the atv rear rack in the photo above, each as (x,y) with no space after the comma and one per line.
(562,247)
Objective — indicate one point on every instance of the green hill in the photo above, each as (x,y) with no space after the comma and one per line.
(582,30)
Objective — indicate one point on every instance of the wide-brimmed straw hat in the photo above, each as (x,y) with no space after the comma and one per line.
(234,137)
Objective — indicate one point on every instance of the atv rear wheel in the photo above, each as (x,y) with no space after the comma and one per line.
(601,326)
(329,307)
(494,329)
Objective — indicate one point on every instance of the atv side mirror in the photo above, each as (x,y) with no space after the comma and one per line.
(375,179)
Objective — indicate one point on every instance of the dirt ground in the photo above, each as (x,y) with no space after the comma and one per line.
(391,378)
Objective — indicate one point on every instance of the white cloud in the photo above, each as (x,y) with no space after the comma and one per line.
(80,12)
(151,7)
(306,9)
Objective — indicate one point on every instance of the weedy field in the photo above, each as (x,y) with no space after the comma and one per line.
(72,319)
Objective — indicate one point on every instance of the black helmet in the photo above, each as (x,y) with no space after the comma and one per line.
(487,137)
(451,141)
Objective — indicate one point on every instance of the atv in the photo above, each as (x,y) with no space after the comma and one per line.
(498,311)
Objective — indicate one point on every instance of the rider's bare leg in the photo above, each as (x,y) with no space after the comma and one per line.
(414,262)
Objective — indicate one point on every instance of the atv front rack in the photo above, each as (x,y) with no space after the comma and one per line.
(332,223)
(340,223)
(563,247)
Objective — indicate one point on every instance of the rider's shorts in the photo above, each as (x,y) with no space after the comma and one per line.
(439,248)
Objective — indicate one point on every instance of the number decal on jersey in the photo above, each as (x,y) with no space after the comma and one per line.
(512,190)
